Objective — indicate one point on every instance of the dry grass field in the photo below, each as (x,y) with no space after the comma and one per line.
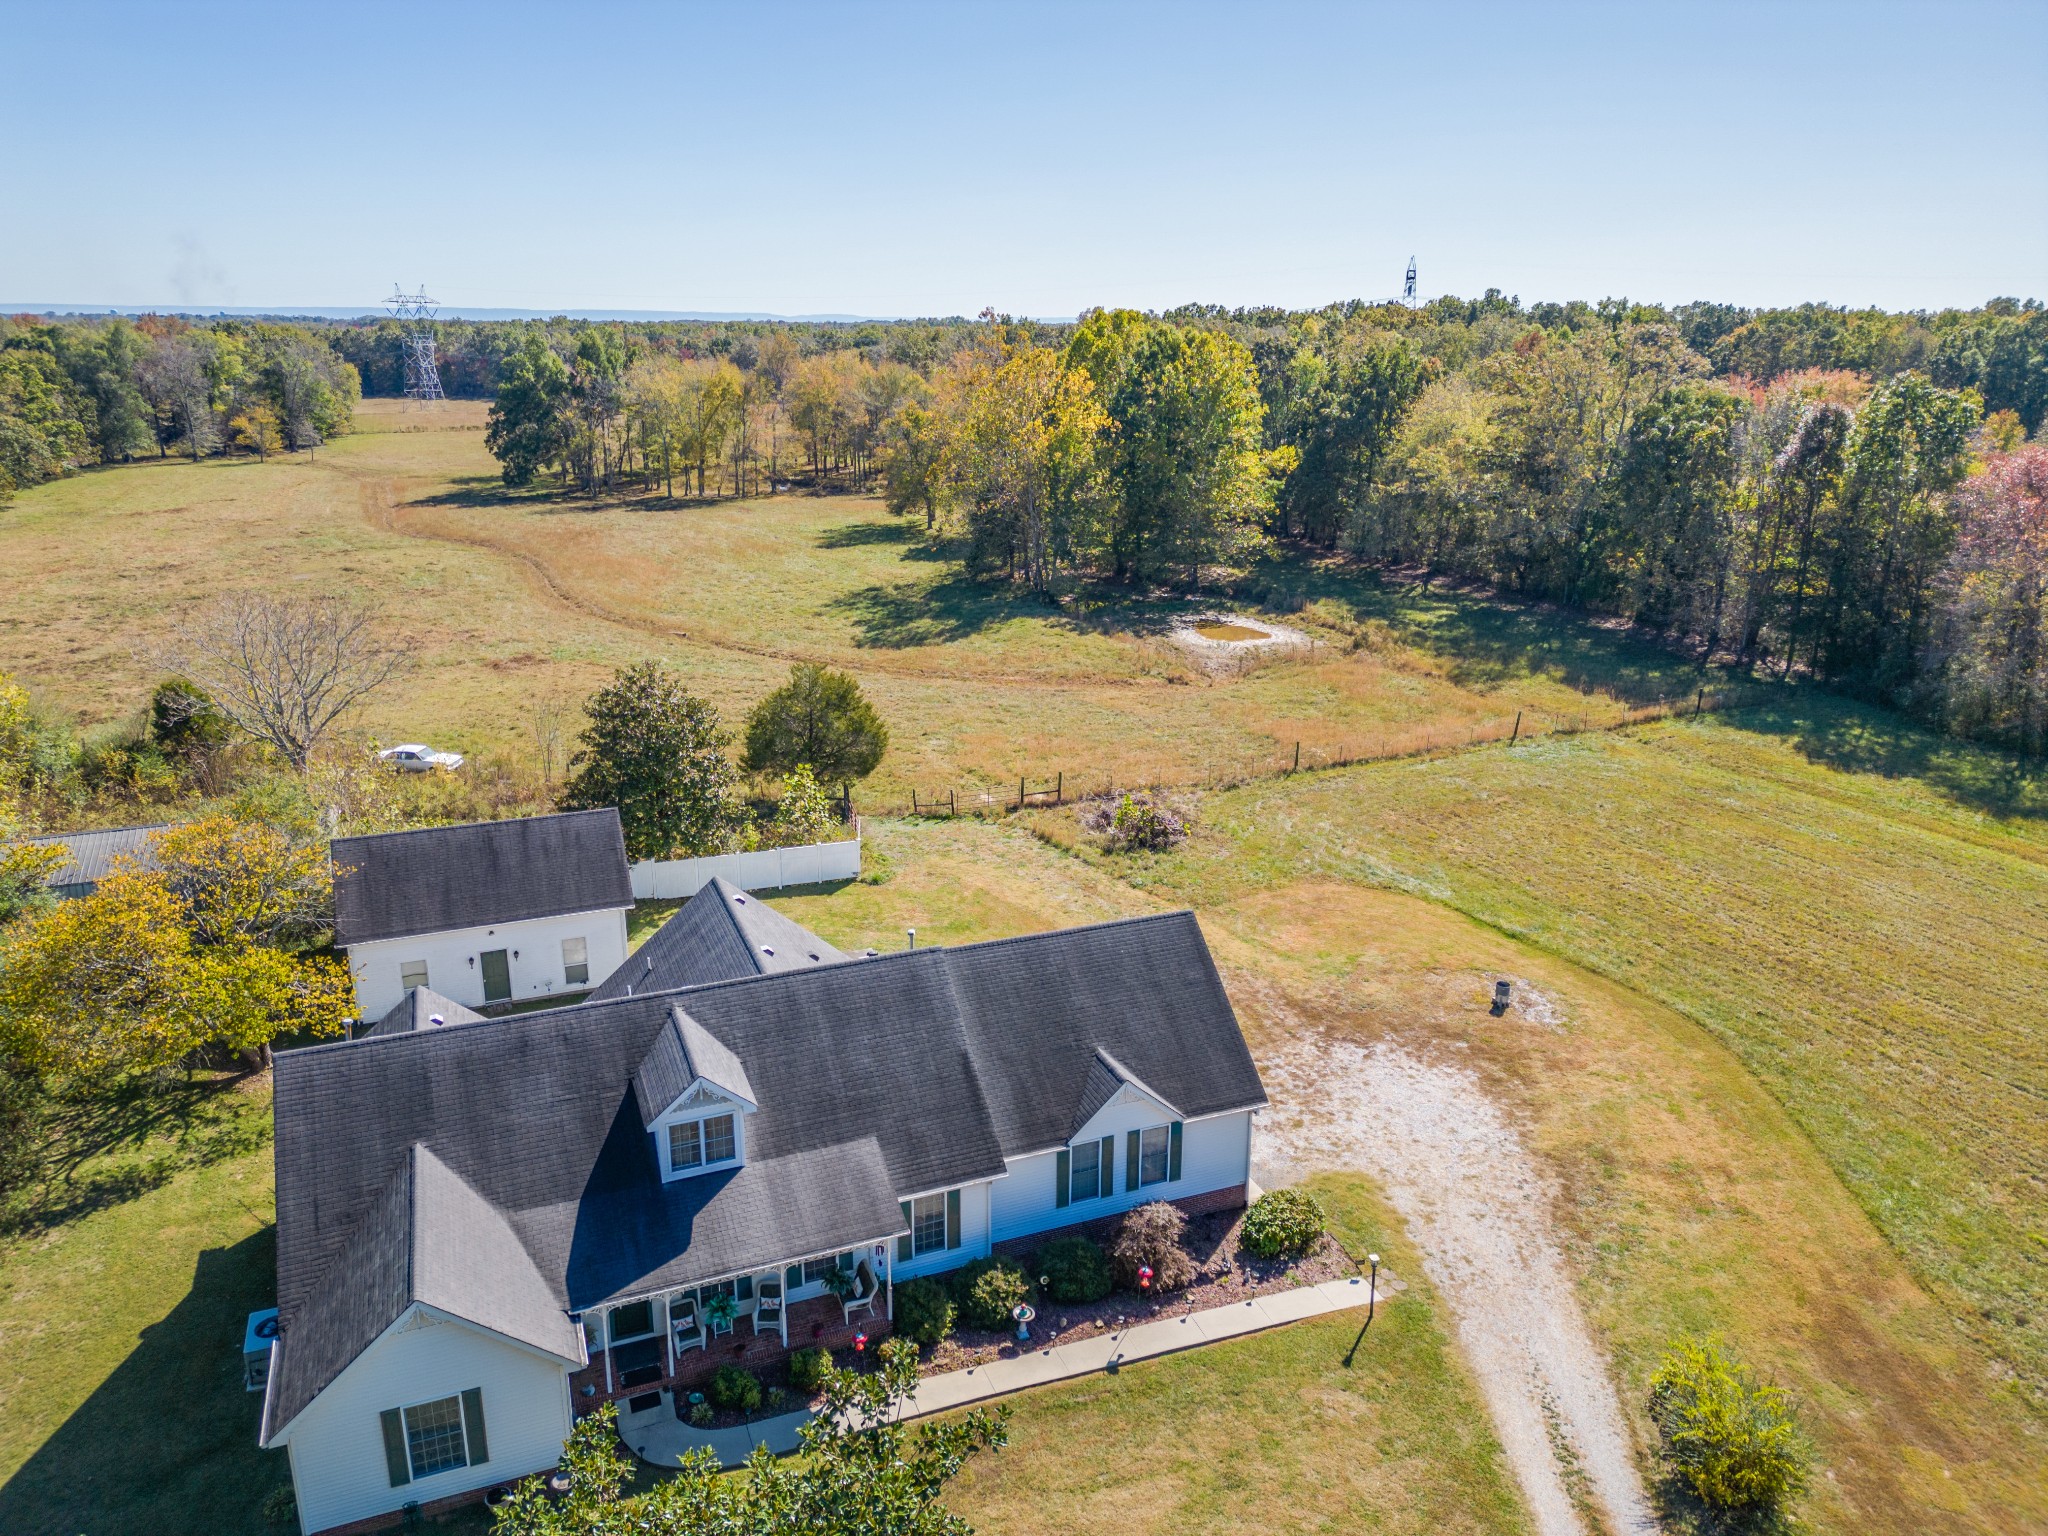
(507,598)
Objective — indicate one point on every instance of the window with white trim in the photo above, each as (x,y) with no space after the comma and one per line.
(433,1437)
(576,962)
(412,973)
(1084,1178)
(694,1144)
(927,1224)
(815,1270)
(1152,1155)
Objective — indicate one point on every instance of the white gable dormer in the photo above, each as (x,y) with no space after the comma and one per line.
(694,1100)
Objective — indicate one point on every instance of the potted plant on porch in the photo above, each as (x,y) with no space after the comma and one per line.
(720,1310)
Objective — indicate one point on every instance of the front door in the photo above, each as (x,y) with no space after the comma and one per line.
(497,976)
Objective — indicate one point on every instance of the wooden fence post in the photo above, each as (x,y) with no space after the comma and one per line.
(1518,729)
(1699,703)
(1059,787)
(1297,758)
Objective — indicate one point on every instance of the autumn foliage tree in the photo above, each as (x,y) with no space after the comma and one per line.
(160,962)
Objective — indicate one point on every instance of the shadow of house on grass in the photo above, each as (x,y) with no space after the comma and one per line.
(167,1443)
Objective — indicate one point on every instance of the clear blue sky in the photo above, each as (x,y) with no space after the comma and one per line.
(933,159)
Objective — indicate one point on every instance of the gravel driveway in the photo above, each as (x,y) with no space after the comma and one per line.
(1478,1207)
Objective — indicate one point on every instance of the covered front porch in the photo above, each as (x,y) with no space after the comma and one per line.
(645,1348)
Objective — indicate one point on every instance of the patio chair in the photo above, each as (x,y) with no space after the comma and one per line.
(769,1315)
(685,1325)
(862,1298)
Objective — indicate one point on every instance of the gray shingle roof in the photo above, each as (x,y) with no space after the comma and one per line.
(913,1071)
(682,1053)
(424,1236)
(92,854)
(439,878)
(1107,1077)
(419,1009)
(719,934)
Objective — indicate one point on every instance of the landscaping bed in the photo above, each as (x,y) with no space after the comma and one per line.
(1225,1272)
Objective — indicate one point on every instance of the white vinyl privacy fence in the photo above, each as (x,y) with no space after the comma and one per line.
(767,870)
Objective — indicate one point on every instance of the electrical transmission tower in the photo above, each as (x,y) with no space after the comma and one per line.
(1408,288)
(415,312)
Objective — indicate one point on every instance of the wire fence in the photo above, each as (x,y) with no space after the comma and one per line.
(1522,725)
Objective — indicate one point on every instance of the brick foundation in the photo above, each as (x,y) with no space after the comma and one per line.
(396,1518)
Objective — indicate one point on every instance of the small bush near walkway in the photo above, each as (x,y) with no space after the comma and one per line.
(1074,1270)
(734,1387)
(924,1312)
(1150,1239)
(1283,1221)
(808,1366)
(1731,1439)
(988,1289)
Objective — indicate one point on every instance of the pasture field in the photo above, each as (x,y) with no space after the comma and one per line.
(1860,912)
(507,598)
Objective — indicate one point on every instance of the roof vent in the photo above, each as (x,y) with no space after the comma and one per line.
(871,953)
(436,1020)
(767,949)
(740,900)
(814,957)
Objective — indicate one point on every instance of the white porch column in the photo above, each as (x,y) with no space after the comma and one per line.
(668,1335)
(889,1285)
(608,1387)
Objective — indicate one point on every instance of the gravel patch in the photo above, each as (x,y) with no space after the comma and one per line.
(1480,1210)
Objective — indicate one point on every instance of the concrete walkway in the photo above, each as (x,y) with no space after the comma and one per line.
(659,1438)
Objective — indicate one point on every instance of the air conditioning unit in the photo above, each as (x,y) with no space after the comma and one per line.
(256,1341)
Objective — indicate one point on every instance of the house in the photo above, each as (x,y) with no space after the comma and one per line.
(90,856)
(489,912)
(486,1227)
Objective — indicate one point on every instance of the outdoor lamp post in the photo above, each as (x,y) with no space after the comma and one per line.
(1372,1294)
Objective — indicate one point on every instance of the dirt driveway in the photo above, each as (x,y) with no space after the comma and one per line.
(1478,1207)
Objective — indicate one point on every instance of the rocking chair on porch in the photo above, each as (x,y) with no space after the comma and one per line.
(862,1297)
(684,1324)
(769,1315)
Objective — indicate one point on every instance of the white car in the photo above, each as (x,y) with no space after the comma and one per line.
(414,758)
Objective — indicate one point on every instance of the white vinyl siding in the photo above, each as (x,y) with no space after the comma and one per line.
(533,950)
(974,1206)
(337,1445)
(1215,1154)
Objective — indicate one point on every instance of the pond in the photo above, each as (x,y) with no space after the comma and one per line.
(1230,632)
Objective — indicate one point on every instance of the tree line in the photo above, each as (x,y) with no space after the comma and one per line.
(79,392)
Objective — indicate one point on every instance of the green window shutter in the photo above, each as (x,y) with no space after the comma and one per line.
(1108,1185)
(792,1277)
(1065,1164)
(1173,1152)
(904,1249)
(473,1426)
(1131,1162)
(952,1218)
(396,1462)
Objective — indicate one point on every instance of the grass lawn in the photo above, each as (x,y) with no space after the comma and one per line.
(121,1401)
(1288,1430)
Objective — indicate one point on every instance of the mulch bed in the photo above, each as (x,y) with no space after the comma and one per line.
(1224,1273)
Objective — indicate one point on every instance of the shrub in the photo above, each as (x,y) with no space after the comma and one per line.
(924,1312)
(988,1289)
(735,1387)
(1073,1269)
(808,1368)
(701,1415)
(1731,1438)
(1283,1221)
(1150,1237)
(893,1349)
(1138,819)
(281,1506)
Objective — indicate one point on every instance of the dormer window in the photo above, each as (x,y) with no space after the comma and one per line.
(694,1144)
